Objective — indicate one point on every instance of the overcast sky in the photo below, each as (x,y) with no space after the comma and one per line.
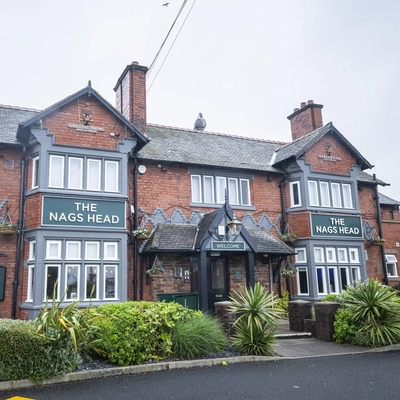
(244,64)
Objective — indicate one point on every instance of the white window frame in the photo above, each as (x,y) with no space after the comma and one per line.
(324,194)
(336,195)
(78,275)
(313,193)
(302,270)
(335,278)
(56,181)
(244,187)
(346,269)
(392,261)
(196,189)
(68,248)
(355,271)
(293,188)
(49,245)
(323,275)
(96,294)
(220,182)
(35,172)
(300,251)
(31,274)
(330,254)
(97,245)
(111,184)
(347,196)
(233,191)
(354,252)
(58,266)
(79,173)
(93,182)
(108,245)
(319,256)
(115,282)
(32,250)
(342,250)
(208,185)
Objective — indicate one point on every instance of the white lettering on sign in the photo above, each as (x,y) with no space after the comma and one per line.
(85,128)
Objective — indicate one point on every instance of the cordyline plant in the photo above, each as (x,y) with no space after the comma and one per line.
(256,320)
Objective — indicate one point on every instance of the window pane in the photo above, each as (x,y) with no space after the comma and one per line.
(35,172)
(302,281)
(56,171)
(111,251)
(196,189)
(52,282)
(344,277)
(92,288)
(72,282)
(221,189)
(330,254)
(336,198)
(233,191)
(92,251)
(300,257)
(31,275)
(355,274)
(319,254)
(333,281)
(354,258)
(347,199)
(313,193)
(245,192)
(111,177)
(208,189)
(93,174)
(110,280)
(53,249)
(295,194)
(321,280)
(75,173)
(342,255)
(73,250)
(32,250)
(325,201)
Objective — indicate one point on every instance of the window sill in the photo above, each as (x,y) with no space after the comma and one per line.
(233,206)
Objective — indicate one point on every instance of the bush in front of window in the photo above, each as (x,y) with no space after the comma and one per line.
(139,331)
(282,303)
(369,315)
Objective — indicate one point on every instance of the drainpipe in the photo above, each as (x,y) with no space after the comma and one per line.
(284,222)
(19,236)
(135,222)
(379,220)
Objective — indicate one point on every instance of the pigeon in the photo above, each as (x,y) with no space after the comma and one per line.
(165,4)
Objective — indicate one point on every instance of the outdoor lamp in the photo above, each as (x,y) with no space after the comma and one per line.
(235,226)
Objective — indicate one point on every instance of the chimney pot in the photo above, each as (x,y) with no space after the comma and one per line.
(310,102)
(134,63)
(303,104)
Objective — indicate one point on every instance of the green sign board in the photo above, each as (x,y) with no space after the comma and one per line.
(2,282)
(231,246)
(82,212)
(336,226)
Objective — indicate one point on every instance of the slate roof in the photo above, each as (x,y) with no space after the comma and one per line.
(368,178)
(10,118)
(176,145)
(186,238)
(383,199)
(299,146)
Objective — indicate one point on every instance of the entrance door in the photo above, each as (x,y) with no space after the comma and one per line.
(218,287)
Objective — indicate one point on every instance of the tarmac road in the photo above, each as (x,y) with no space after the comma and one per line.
(368,376)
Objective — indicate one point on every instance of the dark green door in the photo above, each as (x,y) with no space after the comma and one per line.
(218,285)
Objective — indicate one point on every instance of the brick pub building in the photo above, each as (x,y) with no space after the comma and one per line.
(78,178)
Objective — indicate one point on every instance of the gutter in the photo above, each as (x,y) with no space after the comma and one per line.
(284,221)
(135,222)
(19,236)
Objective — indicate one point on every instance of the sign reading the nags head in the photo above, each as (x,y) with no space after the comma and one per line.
(336,226)
(83,212)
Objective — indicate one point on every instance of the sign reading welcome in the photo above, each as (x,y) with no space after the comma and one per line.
(227,245)
(83,212)
(336,226)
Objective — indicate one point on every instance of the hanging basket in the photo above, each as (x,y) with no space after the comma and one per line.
(377,242)
(8,230)
(142,236)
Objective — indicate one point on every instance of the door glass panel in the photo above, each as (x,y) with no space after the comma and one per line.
(218,275)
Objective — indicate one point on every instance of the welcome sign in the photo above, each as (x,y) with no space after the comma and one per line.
(336,226)
(83,212)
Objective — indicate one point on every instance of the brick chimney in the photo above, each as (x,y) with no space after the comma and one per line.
(305,119)
(131,95)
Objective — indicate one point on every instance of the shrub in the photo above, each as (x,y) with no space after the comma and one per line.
(335,298)
(138,331)
(282,303)
(198,336)
(374,309)
(26,355)
(255,326)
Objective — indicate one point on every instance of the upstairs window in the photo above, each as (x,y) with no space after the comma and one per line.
(330,194)
(295,199)
(391,265)
(210,189)
(35,172)
(83,173)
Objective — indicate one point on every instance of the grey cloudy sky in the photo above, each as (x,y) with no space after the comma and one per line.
(244,64)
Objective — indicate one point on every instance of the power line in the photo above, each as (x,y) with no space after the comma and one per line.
(176,37)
